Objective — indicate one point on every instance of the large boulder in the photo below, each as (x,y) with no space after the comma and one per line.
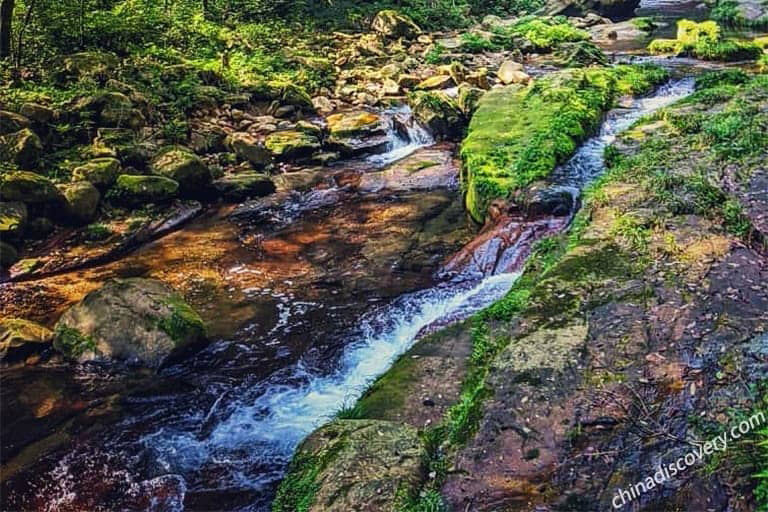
(391,23)
(468,99)
(82,201)
(28,187)
(614,9)
(8,254)
(111,109)
(101,172)
(243,185)
(12,122)
(24,148)
(94,63)
(291,144)
(184,167)
(20,338)
(38,114)
(249,148)
(439,112)
(141,321)
(136,190)
(351,462)
(357,131)
(511,72)
(13,218)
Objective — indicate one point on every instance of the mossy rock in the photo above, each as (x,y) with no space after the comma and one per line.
(136,190)
(37,113)
(8,254)
(391,23)
(436,82)
(89,63)
(11,122)
(184,167)
(100,172)
(468,99)
(13,218)
(19,338)
(82,201)
(249,148)
(140,321)
(243,185)
(439,112)
(29,188)
(283,92)
(24,148)
(291,144)
(349,462)
(358,123)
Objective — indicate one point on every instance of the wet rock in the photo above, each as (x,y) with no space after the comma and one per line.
(13,218)
(11,122)
(137,190)
(8,254)
(244,185)
(82,201)
(249,148)
(291,144)
(439,113)
(364,461)
(20,338)
(436,82)
(511,72)
(185,168)
(39,114)
(28,187)
(23,147)
(141,321)
(100,172)
(357,132)
(391,23)
(541,199)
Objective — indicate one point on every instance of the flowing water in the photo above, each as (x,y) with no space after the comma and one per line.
(217,431)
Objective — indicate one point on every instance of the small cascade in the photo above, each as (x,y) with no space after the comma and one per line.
(406,135)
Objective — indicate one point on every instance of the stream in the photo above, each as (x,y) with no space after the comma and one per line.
(325,288)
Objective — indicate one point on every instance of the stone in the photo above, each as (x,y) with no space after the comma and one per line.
(89,63)
(37,113)
(184,167)
(322,104)
(391,23)
(8,254)
(13,218)
(136,190)
(369,462)
(100,172)
(140,321)
(479,78)
(206,140)
(436,82)
(291,144)
(439,113)
(24,148)
(11,122)
(356,123)
(82,201)
(390,88)
(407,81)
(614,9)
(468,98)
(249,148)
(28,187)
(20,338)
(511,72)
(243,185)
(455,70)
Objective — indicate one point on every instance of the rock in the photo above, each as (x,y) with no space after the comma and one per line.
(136,190)
(468,98)
(436,82)
(8,254)
(325,157)
(112,110)
(39,114)
(89,64)
(123,144)
(364,461)
(208,140)
(511,72)
(82,201)
(291,144)
(407,81)
(283,92)
(455,70)
(322,104)
(479,78)
(615,9)
(11,122)
(184,167)
(39,228)
(299,180)
(542,199)
(309,128)
(390,88)
(439,113)
(249,148)
(23,147)
(13,218)
(28,187)
(141,321)
(20,338)
(391,23)
(100,172)
(244,185)
(356,123)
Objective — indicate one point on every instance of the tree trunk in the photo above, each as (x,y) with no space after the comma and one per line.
(6,19)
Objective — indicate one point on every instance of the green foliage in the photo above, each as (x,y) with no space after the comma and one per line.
(475,43)
(704,41)
(96,232)
(543,34)
(72,342)
(297,491)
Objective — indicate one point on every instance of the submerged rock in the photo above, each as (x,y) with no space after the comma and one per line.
(19,338)
(141,321)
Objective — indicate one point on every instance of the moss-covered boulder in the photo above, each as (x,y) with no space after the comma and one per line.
(705,41)
(89,64)
(110,109)
(291,144)
(391,23)
(184,167)
(8,254)
(348,463)
(468,99)
(136,190)
(358,123)
(439,112)
(283,92)
(28,187)
(141,321)
(12,122)
(436,82)
(13,218)
(101,172)
(82,201)
(37,113)
(243,185)
(249,148)
(20,338)
(24,148)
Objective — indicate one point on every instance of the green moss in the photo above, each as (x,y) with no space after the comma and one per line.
(96,232)
(183,324)
(542,34)
(297,490)
(71,342)
(704,41)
